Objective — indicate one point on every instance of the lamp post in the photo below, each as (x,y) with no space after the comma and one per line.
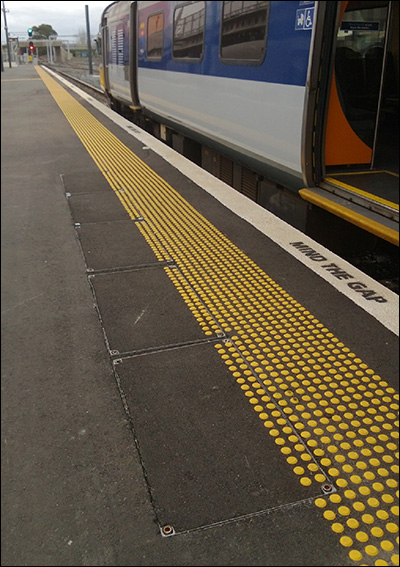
(6,30)
(89,40)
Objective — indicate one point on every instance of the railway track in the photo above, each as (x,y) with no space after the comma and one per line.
(79,75)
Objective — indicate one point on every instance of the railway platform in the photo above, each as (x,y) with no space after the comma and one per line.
(186,379)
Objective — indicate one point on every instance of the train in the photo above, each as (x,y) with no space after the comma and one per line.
(294,104)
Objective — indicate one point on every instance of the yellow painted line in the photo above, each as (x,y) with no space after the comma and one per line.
(363,193)
(368,172)
(316,398)
(351,216)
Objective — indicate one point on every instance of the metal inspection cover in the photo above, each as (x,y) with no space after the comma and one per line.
(208,457)
(85,182)
(142,309)
(96,207)
(116,244)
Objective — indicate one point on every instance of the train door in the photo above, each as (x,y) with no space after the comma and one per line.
(361,133)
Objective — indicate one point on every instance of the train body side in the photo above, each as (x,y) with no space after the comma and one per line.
(251,110)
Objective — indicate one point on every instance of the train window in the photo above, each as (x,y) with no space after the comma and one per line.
(244,32)
(155,36)
(188,41)
(117,47)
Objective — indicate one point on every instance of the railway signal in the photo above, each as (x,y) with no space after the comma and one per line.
(30,32)
(31,47)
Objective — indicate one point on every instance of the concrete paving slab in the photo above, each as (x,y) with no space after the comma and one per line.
(114,245)
(207,458)
(96,207)
(142,309)
(85,182)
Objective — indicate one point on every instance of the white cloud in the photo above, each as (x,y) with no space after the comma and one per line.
(66,18)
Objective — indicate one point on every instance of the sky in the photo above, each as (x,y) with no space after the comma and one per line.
(66,18)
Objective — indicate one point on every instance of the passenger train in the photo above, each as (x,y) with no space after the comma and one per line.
(295,104)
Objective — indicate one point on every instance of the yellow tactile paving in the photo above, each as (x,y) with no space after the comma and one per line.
(318,400)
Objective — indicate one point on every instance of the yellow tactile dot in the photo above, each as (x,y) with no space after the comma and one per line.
(355,555)
(377,531)
(387,545)
(382,514)
(353,523)
(340,458)
(373,502)
(274,432)
(359,506)
(335,498)
(333,472)
(350,494)
(383,472)
(329,515)
(362,537)
(355,479)
(381,562)
(298,470)
(337,528)
(320,478)
(395,559)
(371,550)
(387,498)
(346,541)
(320,502)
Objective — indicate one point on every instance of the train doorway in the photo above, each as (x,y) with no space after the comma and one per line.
(361,137)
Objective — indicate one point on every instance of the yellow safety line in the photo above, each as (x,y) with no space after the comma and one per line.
(367,172)
(316,398)
(351,216)
(363,193)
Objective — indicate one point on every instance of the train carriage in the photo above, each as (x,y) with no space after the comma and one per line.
(295,104)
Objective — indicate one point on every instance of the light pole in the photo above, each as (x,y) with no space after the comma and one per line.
(6,30)
(89,44)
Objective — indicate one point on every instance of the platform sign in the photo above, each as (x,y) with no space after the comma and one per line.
(304,18)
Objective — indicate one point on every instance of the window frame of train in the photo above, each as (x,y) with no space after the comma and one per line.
(246,58)
(187,58)
(148,36)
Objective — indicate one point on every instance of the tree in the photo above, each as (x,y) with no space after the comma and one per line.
(44,31)
(81,38)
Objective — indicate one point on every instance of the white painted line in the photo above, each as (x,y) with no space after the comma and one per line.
(370,295)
